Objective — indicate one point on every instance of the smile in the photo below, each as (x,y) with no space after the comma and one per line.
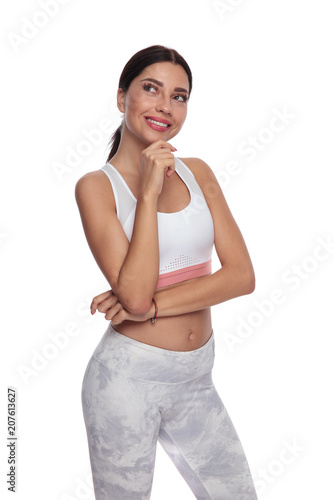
(159,124)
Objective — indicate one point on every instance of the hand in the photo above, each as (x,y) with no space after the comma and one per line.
(109,304)
(156,161)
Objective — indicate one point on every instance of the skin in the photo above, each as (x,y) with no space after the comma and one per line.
(145,159)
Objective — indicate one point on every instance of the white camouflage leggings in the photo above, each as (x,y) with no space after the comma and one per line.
(134,394)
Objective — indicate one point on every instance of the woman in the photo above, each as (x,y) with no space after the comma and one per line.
(151,220)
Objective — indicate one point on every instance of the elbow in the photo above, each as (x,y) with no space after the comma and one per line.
(134,303)
(249,282)
(137,306)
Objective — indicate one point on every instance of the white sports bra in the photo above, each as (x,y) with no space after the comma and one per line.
(185,237)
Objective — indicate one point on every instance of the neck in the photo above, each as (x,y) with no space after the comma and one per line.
(128,154)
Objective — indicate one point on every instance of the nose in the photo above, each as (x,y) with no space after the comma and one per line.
(164,105)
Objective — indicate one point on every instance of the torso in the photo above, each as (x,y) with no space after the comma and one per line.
(183,332)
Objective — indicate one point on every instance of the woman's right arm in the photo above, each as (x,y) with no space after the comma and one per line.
(131,268)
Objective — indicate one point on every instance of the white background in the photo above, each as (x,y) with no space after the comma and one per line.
(250,60)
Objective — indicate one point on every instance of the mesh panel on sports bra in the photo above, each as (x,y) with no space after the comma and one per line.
(179,263)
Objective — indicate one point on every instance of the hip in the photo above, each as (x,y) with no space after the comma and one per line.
(136,360)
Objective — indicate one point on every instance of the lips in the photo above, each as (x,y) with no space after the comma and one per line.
(157,124)
(159,120)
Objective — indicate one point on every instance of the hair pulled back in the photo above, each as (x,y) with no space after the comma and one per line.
(137,63)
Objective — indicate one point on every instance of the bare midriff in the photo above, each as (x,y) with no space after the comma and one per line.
(184,332)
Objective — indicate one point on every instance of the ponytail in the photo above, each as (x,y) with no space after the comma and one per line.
(115,141)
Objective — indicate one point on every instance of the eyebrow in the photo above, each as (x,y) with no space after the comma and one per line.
(161,84)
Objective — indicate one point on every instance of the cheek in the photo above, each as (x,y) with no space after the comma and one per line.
(136,103)
(132,111)
(182,113)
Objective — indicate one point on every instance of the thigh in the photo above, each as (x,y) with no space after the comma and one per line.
(122,425)
(202,441)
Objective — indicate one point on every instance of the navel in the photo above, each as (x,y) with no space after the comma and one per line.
(191,336)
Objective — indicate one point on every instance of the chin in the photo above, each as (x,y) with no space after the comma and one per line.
(158,136)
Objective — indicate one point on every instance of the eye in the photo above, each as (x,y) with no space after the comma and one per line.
(181,97)
(149,86)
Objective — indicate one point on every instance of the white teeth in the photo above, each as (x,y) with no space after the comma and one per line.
(160,124)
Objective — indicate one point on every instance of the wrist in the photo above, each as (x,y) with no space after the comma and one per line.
(151,312)
(153,319)
(148,198)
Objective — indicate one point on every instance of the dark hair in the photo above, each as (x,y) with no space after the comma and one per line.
(137,63)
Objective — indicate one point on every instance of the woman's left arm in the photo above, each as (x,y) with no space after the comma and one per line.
(235,277)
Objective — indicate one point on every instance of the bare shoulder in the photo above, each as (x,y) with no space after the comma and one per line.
(196,165)
(94,185)
(90,180)
(204,176)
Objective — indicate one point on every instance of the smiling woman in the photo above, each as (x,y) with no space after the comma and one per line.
(138,64)
(138,103)
(151,220)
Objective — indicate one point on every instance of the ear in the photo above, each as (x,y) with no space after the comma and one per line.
(121,100)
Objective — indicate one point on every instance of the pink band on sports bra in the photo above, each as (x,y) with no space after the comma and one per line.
(185,273)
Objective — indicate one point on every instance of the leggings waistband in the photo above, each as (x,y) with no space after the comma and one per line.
(133,359)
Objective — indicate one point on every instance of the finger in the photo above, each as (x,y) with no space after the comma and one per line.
(169,172)
(159,154)
(165,144)
(119,317)
(169,146)
(110,313)
(107,304)
(161,144)
(98,299)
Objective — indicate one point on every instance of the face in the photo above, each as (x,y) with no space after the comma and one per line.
(155,104)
